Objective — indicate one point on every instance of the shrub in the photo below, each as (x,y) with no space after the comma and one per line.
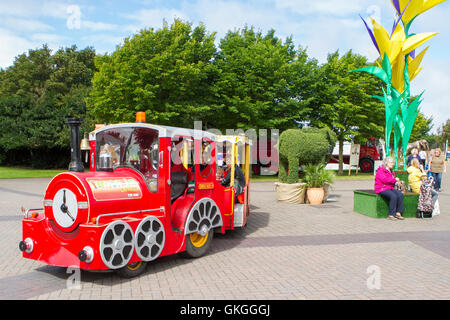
(300,147)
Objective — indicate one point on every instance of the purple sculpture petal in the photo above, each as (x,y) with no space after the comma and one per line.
(412,54)
(400,17)
(394,26)
(397,5)
(371,35)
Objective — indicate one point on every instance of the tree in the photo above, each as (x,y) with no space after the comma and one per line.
(443,134)
(167,73)
(37,93)
(343,101)
(422,127)
(263,81)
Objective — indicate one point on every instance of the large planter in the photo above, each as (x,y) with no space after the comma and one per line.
(315,195)
(290,192)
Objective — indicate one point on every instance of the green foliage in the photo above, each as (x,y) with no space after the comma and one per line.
(422,127)
(264,82)
(343,101)
(443,134)
(315,175)
(167,73)
(37,93)
(301,147)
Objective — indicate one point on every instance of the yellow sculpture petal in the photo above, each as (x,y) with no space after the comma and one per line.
(396,42)
(411,78)
(392,45)
(413,64)
(415,8)
(398,79)
(381,36)
(416,41)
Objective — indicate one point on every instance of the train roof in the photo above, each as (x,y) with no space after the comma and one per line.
(170,132)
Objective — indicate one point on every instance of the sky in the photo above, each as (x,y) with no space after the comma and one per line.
(321,26)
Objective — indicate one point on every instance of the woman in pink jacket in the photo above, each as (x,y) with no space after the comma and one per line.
(385,186)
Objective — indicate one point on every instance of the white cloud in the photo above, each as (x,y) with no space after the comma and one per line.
(329,7)
(24,25)
(29,8)
(15,46)
(435,81)
(49,38)
(98,26)
(152,18)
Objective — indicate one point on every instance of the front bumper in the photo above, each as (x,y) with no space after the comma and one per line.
(44,242)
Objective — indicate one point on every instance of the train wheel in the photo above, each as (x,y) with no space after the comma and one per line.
(366,165)
(117,245)
(132,269)
(149,238)
(197,245)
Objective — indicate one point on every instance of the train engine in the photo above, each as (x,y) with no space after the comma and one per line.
(141,199)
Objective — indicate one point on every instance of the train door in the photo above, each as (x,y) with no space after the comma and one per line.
(236,157)
(181,185)
(241,157)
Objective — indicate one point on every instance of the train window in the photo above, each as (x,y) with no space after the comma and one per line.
(136,148)
(206,159)
(182,153)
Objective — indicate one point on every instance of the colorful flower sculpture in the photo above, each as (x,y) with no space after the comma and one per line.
(397,67)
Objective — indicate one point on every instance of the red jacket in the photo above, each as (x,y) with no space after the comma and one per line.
(384,179)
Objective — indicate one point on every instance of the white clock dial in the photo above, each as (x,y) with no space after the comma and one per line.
(65,208)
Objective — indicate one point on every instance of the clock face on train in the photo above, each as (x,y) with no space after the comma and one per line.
(65,208)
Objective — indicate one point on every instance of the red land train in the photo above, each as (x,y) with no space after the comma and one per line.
(151,191)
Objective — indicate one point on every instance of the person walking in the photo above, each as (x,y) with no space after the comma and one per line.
(385,186)
(437,167)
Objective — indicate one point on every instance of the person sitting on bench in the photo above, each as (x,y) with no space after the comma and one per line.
(385,186)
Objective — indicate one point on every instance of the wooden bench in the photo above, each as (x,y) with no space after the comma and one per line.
(369,203)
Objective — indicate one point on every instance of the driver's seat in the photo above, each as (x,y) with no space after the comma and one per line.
(178,184)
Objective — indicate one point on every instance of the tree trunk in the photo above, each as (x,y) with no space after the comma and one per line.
(341,157)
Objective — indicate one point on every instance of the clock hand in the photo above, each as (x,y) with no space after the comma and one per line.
(64,208)
(68,213)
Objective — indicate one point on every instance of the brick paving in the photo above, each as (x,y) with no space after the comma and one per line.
(286,252)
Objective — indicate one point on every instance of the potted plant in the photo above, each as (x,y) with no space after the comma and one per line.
(316,178)
(309,145)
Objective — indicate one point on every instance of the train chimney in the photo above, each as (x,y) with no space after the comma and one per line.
(75,164)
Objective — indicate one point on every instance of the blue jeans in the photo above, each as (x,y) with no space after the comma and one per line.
(437,180)
(395,198)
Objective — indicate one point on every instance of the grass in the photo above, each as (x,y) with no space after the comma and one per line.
(22,173)
(353,176)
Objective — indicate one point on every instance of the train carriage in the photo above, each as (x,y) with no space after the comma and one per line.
(150,191)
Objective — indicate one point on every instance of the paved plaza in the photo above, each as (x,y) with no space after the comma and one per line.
(287,251)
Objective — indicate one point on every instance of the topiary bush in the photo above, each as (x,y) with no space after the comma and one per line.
(303,146)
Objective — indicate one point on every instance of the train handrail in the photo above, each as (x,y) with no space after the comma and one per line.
(161,209)
(25,215)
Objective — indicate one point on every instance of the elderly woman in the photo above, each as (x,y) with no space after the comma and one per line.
(437,167)
(385,186)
